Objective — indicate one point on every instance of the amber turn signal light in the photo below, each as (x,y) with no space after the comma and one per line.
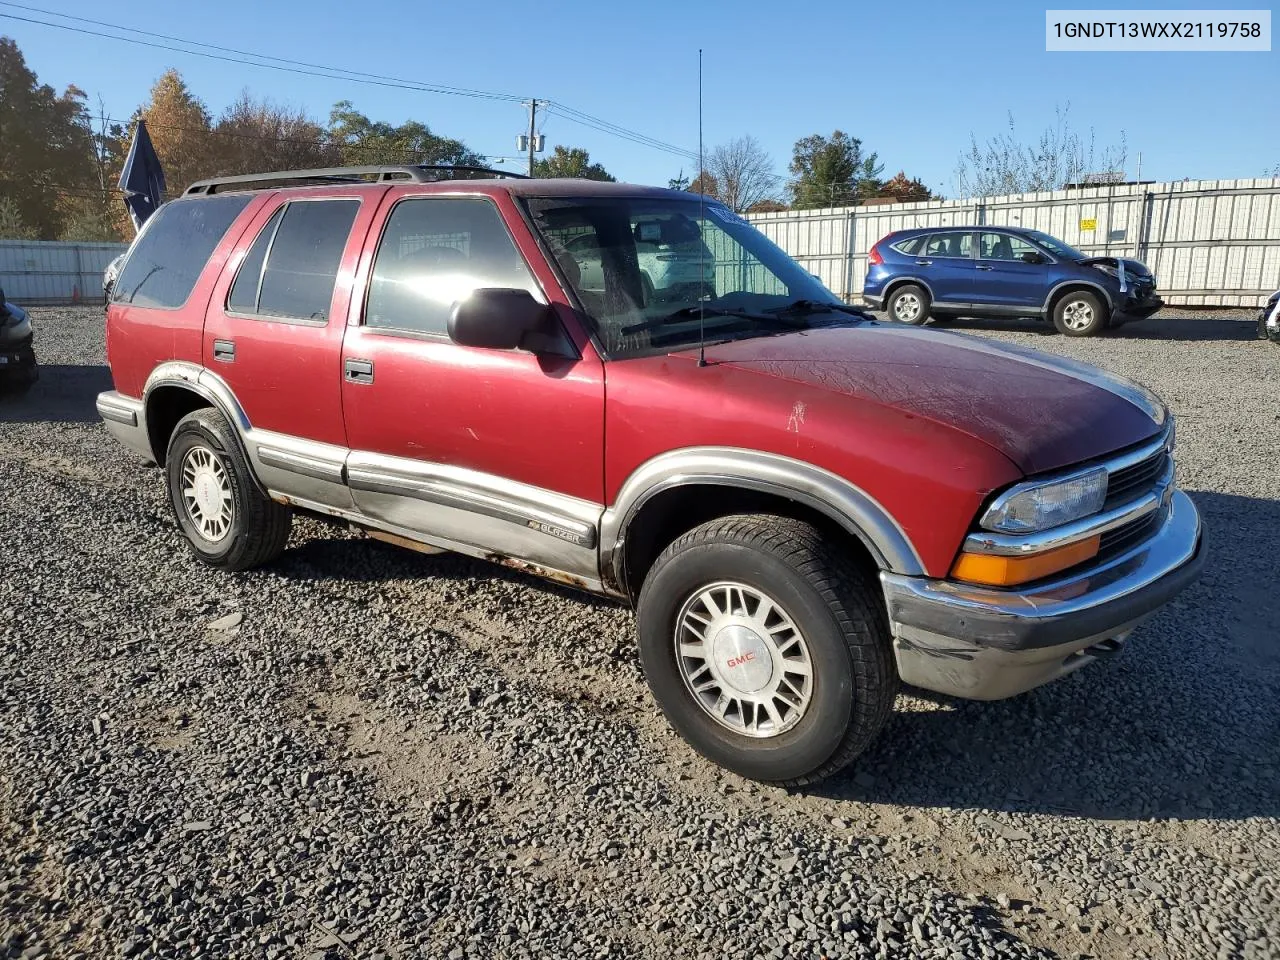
(1007,571)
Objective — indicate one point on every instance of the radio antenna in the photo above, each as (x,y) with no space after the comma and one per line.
(702,243)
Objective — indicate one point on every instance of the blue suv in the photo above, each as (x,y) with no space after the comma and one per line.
(914,275)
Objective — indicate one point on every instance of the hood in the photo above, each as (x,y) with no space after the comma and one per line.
(1042,412)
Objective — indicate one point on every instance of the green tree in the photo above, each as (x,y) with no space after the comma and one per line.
(359,141)
(571,162)
(678,182)
(827,171)
(44,150)
(12,226)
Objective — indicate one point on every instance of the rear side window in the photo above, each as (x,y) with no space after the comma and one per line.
(292,266)
(163,267)
(434,253)
(954,244)
(911,246)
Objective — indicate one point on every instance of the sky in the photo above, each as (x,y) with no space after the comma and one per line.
(913,81)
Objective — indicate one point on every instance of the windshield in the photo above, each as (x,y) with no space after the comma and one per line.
(645,268)
(1055,246)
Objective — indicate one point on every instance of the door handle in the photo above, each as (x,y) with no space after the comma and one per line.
(981,267)
(224,351)
(923,262)
(357,371)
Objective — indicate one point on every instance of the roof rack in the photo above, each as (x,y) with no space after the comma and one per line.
(410,173)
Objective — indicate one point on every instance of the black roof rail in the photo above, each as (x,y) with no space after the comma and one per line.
(410,173)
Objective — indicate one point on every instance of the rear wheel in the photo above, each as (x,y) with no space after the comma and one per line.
(766,649)
(1079,314)
(909,304)
(228,521)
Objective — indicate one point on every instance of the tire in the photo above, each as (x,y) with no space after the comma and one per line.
(249,528)
(910,304)
(1079,314)
(844,635)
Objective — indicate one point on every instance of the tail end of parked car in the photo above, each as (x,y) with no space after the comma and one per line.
(18,370)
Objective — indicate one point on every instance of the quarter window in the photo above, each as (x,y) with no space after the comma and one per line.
(1002,246)
(434,253)
(291,269)
(911,246)
(164,265)
(955,244)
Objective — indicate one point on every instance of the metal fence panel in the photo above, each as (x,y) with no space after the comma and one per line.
(1210,242)
(37,271)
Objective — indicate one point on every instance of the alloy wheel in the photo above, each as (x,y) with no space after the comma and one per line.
(1078,315)
(206,493)
(906,308)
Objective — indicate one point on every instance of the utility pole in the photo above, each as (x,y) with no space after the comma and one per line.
(533,136)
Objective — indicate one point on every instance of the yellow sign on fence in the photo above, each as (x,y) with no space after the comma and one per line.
(1090,224)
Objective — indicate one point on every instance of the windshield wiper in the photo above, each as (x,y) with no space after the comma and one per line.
(686,314)
(808,307)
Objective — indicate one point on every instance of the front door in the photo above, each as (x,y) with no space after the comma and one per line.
(496,452)
(273,335)
(1005,278)
(947,260)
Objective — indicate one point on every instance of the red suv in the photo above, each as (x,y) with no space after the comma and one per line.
(805,507)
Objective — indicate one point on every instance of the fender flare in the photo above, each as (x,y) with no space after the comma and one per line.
(847,504)
(1053,291)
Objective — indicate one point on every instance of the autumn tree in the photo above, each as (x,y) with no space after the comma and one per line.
(904,190)
(360,141)
(744,172)
(181,131)
(259,135)
(44,150)
(571,162)
(767,206)
(706,184)
(831,170)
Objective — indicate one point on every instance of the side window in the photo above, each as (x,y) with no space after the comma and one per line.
(164,265)
(434,253)
(293,264)
(911,247)
(1001,246)
(953,244)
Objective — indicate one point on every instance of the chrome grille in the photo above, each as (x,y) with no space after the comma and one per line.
(1116,541)
(1129,483)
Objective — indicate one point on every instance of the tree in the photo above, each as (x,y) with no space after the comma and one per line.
(831,170)
(571,162)
(744,172)
(904,190)
(706,184)
(679,181)
(359,141)
(44,152)
(1004,164)
(767,206)
(258,135)
(12,226)
(181,132)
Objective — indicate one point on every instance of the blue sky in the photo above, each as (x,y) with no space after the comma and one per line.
(911,80)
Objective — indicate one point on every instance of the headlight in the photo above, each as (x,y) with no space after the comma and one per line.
(1030,507)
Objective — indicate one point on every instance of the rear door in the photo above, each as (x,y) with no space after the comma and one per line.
(497,452)
(1004,279)
(273,335)
(946,263)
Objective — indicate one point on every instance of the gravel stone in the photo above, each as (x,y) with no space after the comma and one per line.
(1128,810)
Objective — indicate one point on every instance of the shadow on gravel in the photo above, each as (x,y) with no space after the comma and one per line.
(1183,725)
(1181,329)
(63,394)
(358,560)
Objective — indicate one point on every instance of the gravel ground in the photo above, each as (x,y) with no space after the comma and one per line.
(365,752)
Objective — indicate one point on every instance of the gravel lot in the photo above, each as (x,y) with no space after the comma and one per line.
(364,752)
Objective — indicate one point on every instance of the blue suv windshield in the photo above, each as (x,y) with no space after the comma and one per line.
(1055,246)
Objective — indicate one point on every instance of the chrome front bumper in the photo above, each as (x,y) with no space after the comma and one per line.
(986,644)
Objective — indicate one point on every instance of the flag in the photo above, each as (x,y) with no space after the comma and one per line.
(142,179)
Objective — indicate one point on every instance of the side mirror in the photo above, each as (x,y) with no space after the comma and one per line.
(496,318)
(1031,256)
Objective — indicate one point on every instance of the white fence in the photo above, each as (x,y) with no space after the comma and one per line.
(1209,242)
(34,271)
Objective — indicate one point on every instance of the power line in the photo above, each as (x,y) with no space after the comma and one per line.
(323,71)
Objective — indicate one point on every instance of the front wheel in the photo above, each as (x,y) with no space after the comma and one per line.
(766,649)
(1079,314)
(909,304)
(229,523)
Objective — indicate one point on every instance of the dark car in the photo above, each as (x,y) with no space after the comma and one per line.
(17,358)
(1004,272)
(1269,319)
